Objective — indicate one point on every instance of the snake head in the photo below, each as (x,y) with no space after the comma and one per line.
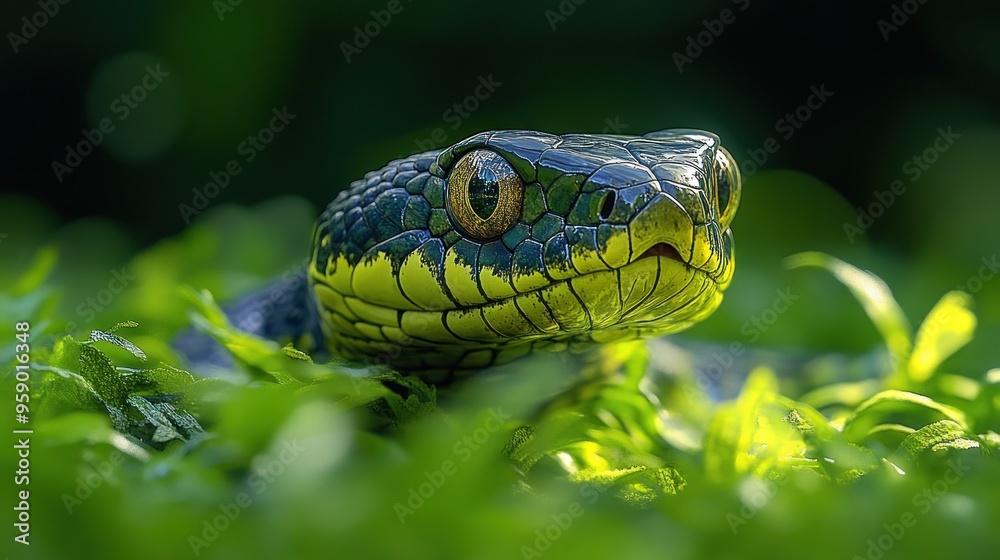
(510,241)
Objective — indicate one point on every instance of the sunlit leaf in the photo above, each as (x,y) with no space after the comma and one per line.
(839,459)
(293,352)
(949,326)
(638,485)
(897,429)
(898,407)
(730,439)
(940,435)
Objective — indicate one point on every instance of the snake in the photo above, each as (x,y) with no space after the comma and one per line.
(509,242)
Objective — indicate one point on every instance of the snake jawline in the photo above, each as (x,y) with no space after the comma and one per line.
(651,296)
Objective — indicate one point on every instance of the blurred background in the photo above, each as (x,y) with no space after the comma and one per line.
(865,129)
(360,100)
(150,145)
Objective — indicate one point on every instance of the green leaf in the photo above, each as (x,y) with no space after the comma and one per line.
(83,387)
(166,420)
(638,485)
(874,296)
(293,352)
(807,419)
(514,449)
(164,430)
(98,335)
(97,368)
(122,325)
(264,358)
(895,429)
(730,439)
(409,399)
(948,327)
(162,380)
(405,399)
(941,435)
(840,460)
(136,400)
(902,407)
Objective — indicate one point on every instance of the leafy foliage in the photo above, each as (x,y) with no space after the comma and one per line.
(345,453)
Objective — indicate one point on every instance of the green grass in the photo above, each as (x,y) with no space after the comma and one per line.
(133,457)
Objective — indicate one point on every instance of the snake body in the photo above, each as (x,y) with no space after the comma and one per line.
(507,242)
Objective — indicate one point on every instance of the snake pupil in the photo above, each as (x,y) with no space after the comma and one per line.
(484,192)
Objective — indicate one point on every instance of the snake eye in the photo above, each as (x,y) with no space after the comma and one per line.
(484,194)
(728,186)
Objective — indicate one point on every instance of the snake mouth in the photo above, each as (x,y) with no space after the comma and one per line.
(665,250)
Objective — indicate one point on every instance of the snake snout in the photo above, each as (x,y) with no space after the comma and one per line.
(662,228)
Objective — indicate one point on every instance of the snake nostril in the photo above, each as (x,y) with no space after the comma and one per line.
(608,205)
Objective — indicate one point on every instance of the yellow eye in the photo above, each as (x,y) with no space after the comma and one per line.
(484,194)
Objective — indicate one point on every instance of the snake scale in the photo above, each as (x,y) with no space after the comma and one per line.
(450,261)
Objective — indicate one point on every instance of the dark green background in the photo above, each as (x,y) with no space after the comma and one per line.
(603,62)
(607,60)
